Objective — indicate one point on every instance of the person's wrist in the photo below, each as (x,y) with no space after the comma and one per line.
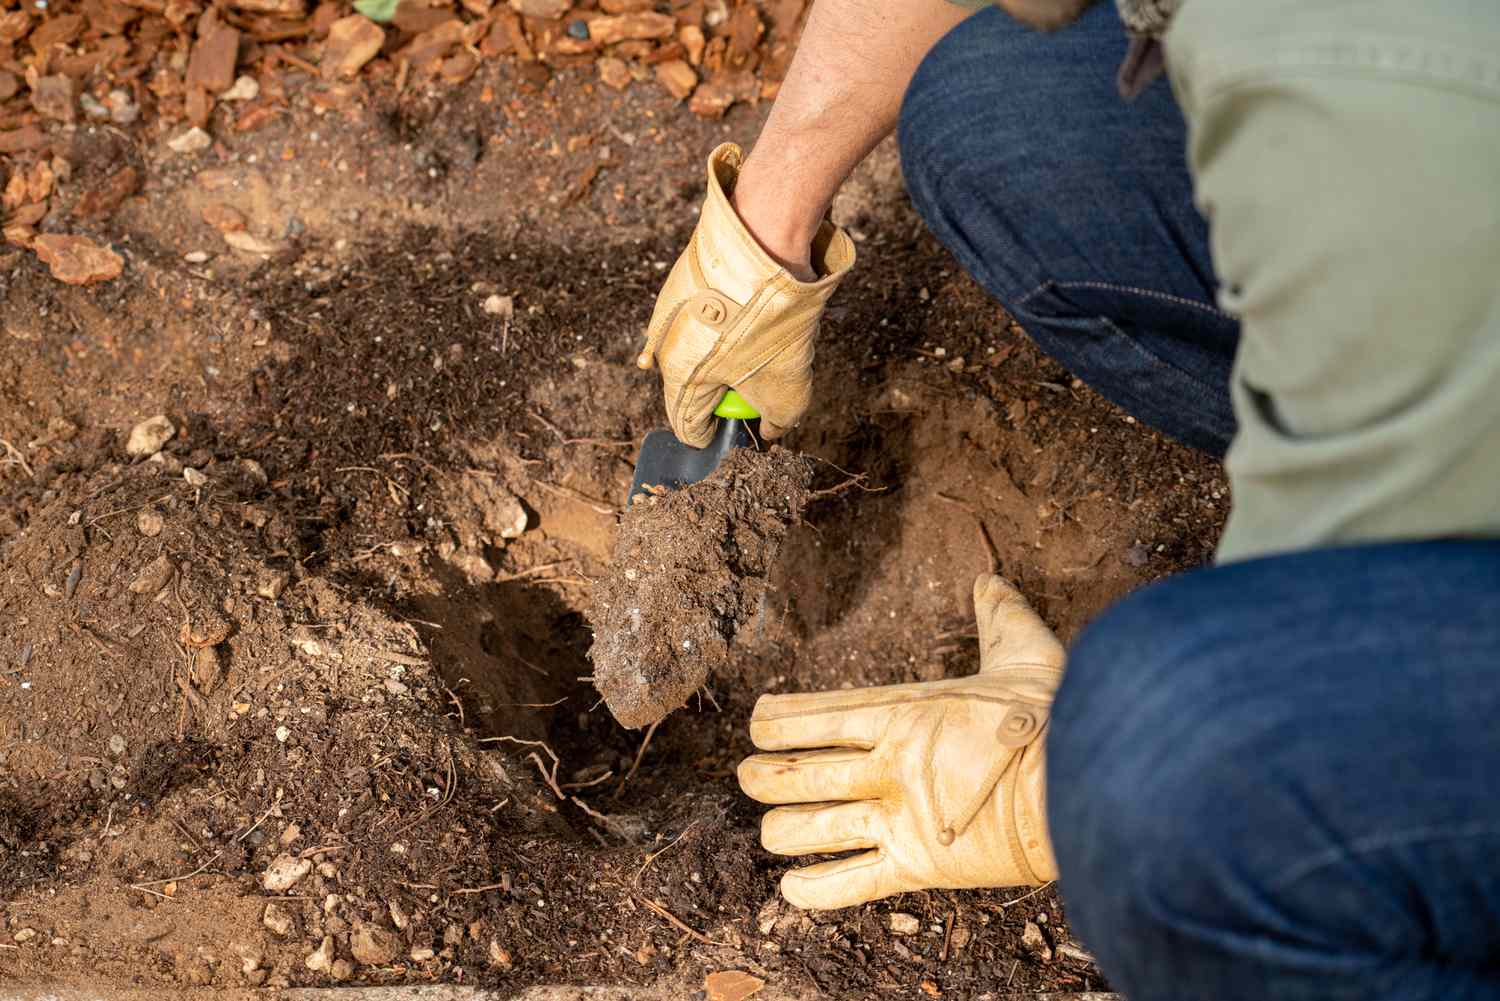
(783,228)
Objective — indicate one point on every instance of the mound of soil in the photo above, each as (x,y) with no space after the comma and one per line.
(689,570)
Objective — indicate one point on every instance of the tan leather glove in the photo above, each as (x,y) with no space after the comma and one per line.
(730,317)
(945,781)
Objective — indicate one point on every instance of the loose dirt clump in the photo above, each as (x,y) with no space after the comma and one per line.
(689,570)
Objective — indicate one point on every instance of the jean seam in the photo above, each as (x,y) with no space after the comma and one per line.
(1112,287)
(1368,846)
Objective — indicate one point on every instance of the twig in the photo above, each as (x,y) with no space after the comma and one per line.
(650,730)
(1029,895)
(857,480)
(457,705)
(396,658)
(659,853)
(857,477)
(523,574)
(672,919)
(564,439)
(984,532)
(504,884)
(583,498)
(591,783)
(533,705)
(269,810)
(17,459)
(142,886)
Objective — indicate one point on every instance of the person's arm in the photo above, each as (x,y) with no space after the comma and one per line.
(841,97)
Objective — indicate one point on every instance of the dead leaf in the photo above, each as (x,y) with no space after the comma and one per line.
(731,985)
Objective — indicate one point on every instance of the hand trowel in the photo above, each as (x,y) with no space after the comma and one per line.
(667,464)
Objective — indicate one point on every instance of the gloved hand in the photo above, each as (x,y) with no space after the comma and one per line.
(946,780)
(730,317)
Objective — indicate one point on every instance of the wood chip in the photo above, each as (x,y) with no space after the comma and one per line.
(613,72)
(352,42)
(53,97)
(22,140)
(281,8)
(433,44)
(62,29)
(224,218)
(77,260)
(641,24)
(212,63)
(110,195)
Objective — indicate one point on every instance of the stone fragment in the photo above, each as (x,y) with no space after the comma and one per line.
(904,924)
(243,241)
(153,577)
(690,36)
(148,437)
(224,218)
(284,872)
(352,42)
(499,956)
(625,6)
(194,477)
(52,97)
(678,77)
(321,959)
(639,24)
(613,72)
(122,110)
(244,88)
(77,260)
(281,8)
(1035,942)
(278,920)
(194,140)
(373,945)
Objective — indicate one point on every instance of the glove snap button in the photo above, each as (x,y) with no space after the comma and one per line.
(1017,727)
(712,311)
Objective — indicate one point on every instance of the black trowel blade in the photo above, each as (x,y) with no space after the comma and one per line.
(667,464)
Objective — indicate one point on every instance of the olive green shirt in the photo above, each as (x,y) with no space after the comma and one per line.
(1347,157)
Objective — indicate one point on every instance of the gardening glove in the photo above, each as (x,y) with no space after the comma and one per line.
(730,317)
(945,781)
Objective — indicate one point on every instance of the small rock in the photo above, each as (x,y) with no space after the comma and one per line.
(328,870)
(147,437)
(352,42)
(499,956)
(92,106)
(421,953)
(638,24)
(284,872)
(149,522)
(1035,942)
(678,77)
(194,140)
(25,935)
(904,924)
(251,956)
(243,241)
(77,260)
(194,477)
(321,959)
(341,969)
(224,218)
(270,584)
(373,945)
(399,917)
(196,257)
(545,9)
(289,834)
(503,306)
(122,110)
(1138,555)
(731,985)
(395,687)
(278,919)
(245,88)
(154,577)
(770,913)
(52,97)
(282,734)
(614,72)
(117,745)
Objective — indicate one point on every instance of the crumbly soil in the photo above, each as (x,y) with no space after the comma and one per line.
(396,693)
(689,569)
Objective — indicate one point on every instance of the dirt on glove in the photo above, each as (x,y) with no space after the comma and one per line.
(689,570)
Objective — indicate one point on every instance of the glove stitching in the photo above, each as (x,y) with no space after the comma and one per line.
(903,700)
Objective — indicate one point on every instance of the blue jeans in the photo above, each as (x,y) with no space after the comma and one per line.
(1277,779)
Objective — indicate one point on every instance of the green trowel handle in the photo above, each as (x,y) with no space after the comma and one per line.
(734,406)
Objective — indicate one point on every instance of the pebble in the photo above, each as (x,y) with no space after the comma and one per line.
(342,969)
(321,959)
(904,924)
(270,584)
(154,577)
(1035,942)
(149,522)
(117,745)
(500,305)
(25,935)
(284,872)
(245,88)
(373,945)
(499,955)
(147,437)
(122,110)
(194,140)
(289,834)
(579,29)
(196,257)
(282,733)
(421,954)
(399,917)
(395,687)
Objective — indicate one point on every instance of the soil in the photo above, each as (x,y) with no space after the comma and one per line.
(393,714)
(689,570)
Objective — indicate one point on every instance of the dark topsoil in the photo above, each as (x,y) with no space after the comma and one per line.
(395,694)
(689,570)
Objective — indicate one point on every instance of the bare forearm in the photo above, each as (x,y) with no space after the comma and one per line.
(841,96)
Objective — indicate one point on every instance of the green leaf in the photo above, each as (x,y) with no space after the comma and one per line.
(377,10)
